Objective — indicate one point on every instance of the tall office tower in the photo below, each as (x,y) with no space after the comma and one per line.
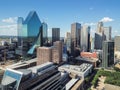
(19,27)
(92,43)
(98,41)
(108,54)
(102,34)
(57,52)
(30,33)
(107,33)
(100,27)
(45,34)
(75,37)
(55,34)
(67,41)
(44,54)
(85,38)
(117,43)
(99,36)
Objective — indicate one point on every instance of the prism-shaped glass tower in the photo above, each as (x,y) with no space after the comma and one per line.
(30,34)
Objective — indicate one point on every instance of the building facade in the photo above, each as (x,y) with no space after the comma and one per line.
(67,41)
(107,33)
(102,34)
(100,27)
(50,54)
(55,34)
(85,38)
(30,34)
(44,54)
(98,41)
(108,54)
(117,43)
(75,37)
(57,52)
(45,34)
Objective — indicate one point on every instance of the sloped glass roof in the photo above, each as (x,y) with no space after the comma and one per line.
(29,17)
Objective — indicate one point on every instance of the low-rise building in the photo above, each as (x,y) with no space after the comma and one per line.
(89,55)
(40,77)
(92,61)
(83,70)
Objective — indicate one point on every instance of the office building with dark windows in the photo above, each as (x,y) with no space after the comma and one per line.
(75,37)
(85,38)
(102,34)
(99,36)
(108,54)
(31,33)
(55,34)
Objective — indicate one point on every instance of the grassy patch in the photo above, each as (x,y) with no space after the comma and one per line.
(111,77)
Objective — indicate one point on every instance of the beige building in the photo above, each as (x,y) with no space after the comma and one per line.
(57,52)
(50,54)
(44,54)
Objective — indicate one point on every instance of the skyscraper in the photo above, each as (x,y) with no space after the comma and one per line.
(55,34)
(30,34)
(45,34)
(75,37)
(107,33)
(108,54)
(67,41)
(117,43)
(57,52)
(85,38)
(99,36)
(98,41)
(19,27)
(100,27)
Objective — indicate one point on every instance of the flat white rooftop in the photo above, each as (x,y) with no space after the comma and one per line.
(71,83)
(82,68)
(37,68)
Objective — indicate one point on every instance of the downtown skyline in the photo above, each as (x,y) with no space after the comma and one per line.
(61,14)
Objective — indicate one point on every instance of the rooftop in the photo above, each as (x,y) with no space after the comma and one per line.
(37,68)
(71,83)
(82,68)
(21,63)
(87,59)
(30,15)
(45,47)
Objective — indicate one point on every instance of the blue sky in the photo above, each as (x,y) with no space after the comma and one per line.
(61,13)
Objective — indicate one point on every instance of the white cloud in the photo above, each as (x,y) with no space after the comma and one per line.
(8,29)
(91,8)
(10,20)
(90,24)
(107,19)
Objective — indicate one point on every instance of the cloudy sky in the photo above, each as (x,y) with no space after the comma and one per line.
(61,13)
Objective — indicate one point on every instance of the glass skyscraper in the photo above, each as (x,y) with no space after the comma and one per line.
(30,34)
(85,38)
(45,33)
(108,54)
(75,37)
